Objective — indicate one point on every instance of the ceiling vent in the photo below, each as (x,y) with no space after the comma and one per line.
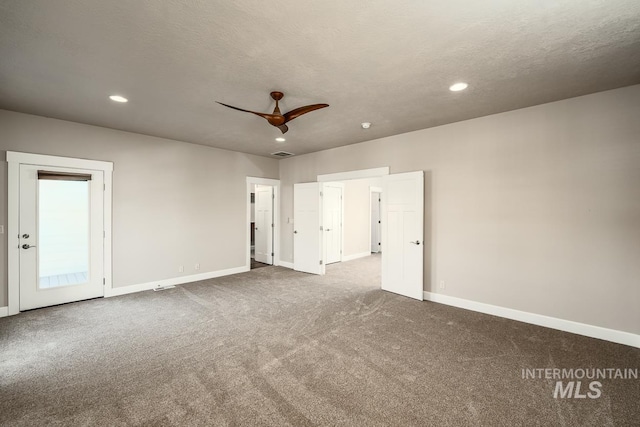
(282,154)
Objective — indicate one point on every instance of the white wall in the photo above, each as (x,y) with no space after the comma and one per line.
(174,203)
(536,209)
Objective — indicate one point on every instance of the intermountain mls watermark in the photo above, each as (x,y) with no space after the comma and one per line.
(580,383)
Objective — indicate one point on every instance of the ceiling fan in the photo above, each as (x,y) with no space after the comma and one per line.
(278,119)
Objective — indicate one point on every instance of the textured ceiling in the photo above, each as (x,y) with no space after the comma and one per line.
(381,61)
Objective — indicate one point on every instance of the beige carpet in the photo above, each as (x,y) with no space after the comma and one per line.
(277,347)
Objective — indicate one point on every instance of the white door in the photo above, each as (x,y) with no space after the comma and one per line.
(376,232)
(332,221)
(402,234)
(61,232)
(264,224)
(307,221)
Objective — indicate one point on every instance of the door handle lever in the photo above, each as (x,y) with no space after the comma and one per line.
(417,242)
(27,246)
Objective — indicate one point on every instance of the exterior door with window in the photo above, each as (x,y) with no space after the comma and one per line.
(61,232)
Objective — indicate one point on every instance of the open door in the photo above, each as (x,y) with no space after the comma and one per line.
(332,221)
(264,224)
(402,234)
(307,228)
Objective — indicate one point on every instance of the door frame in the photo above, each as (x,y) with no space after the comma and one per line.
(275,183)
(14,160)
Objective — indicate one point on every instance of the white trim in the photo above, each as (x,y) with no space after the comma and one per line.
(173,281)
(612,335)
(355,256)
(62,162)
(359,174)
(275,183)
(4,311)
(13,241)
(286,264)
(107,203)
(14,160)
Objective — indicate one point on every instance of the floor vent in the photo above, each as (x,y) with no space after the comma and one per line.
(282,154)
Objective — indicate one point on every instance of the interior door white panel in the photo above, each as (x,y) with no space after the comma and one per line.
(403,234)
(264,224)
(332,221)
(307,221)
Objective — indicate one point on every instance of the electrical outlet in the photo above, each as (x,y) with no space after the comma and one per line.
(442,284)
(181,269)
(197,266)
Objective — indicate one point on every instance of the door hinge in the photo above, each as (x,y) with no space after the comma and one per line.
(272,225)
(320,262)
(104,281)
(321,194)
(273,196)
(321,228)
(271,253)
(104,234)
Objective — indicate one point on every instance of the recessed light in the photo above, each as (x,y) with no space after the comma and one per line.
(365,125)
(458,87)
(118,98)
(280,139)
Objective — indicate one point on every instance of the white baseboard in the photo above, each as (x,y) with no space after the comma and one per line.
(173,281)
(612,335)
(355,256)
(4,311)
(285,264)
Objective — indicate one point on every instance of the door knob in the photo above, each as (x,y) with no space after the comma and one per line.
(417,242)
(328,229)
(25,236)
(295,232)
(26,246)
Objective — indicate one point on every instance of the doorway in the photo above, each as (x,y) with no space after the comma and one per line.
(402,231)
(60,220)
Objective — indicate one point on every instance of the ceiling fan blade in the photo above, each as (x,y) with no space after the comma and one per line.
(263,115)
(283,128)
(302,110)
